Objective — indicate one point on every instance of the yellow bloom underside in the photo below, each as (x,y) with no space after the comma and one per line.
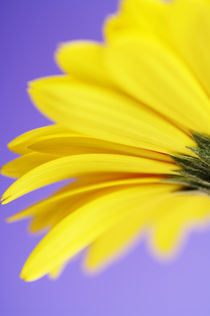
(120,111)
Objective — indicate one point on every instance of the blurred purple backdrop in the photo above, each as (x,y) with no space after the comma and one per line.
(137,285)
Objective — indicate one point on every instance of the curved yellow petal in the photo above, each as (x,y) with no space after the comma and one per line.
(176,216)
(21,165)
(81,228)
(81,144)
(84,60)
(190,28)
(78,165)
(106,114)
(20,145)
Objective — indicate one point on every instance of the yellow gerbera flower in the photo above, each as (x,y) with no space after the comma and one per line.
(132,127)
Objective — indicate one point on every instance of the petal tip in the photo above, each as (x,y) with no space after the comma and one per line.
(6,198)
(10,219)
(27,276)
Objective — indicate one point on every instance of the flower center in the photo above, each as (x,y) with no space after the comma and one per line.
(195,171)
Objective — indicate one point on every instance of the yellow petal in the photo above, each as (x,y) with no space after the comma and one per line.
(20,144)
(176,216)
(105,114)
(81,228)
(21,165)
(190,27)
(83,60)
(147,70)
(140,17)
(78,165)
(80,144)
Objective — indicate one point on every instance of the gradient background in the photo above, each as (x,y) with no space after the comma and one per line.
(137,285)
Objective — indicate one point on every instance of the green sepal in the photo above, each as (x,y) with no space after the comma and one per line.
(192,166)
(202,140)
(195,171)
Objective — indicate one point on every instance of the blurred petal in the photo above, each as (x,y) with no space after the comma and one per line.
(81,228)
(84,60)
(176,216)
(121,237)
(190,27)
(138,17)
(56,272)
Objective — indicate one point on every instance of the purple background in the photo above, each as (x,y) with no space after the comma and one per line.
(137,285)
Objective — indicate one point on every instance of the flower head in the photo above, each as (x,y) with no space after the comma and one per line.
(131,127)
